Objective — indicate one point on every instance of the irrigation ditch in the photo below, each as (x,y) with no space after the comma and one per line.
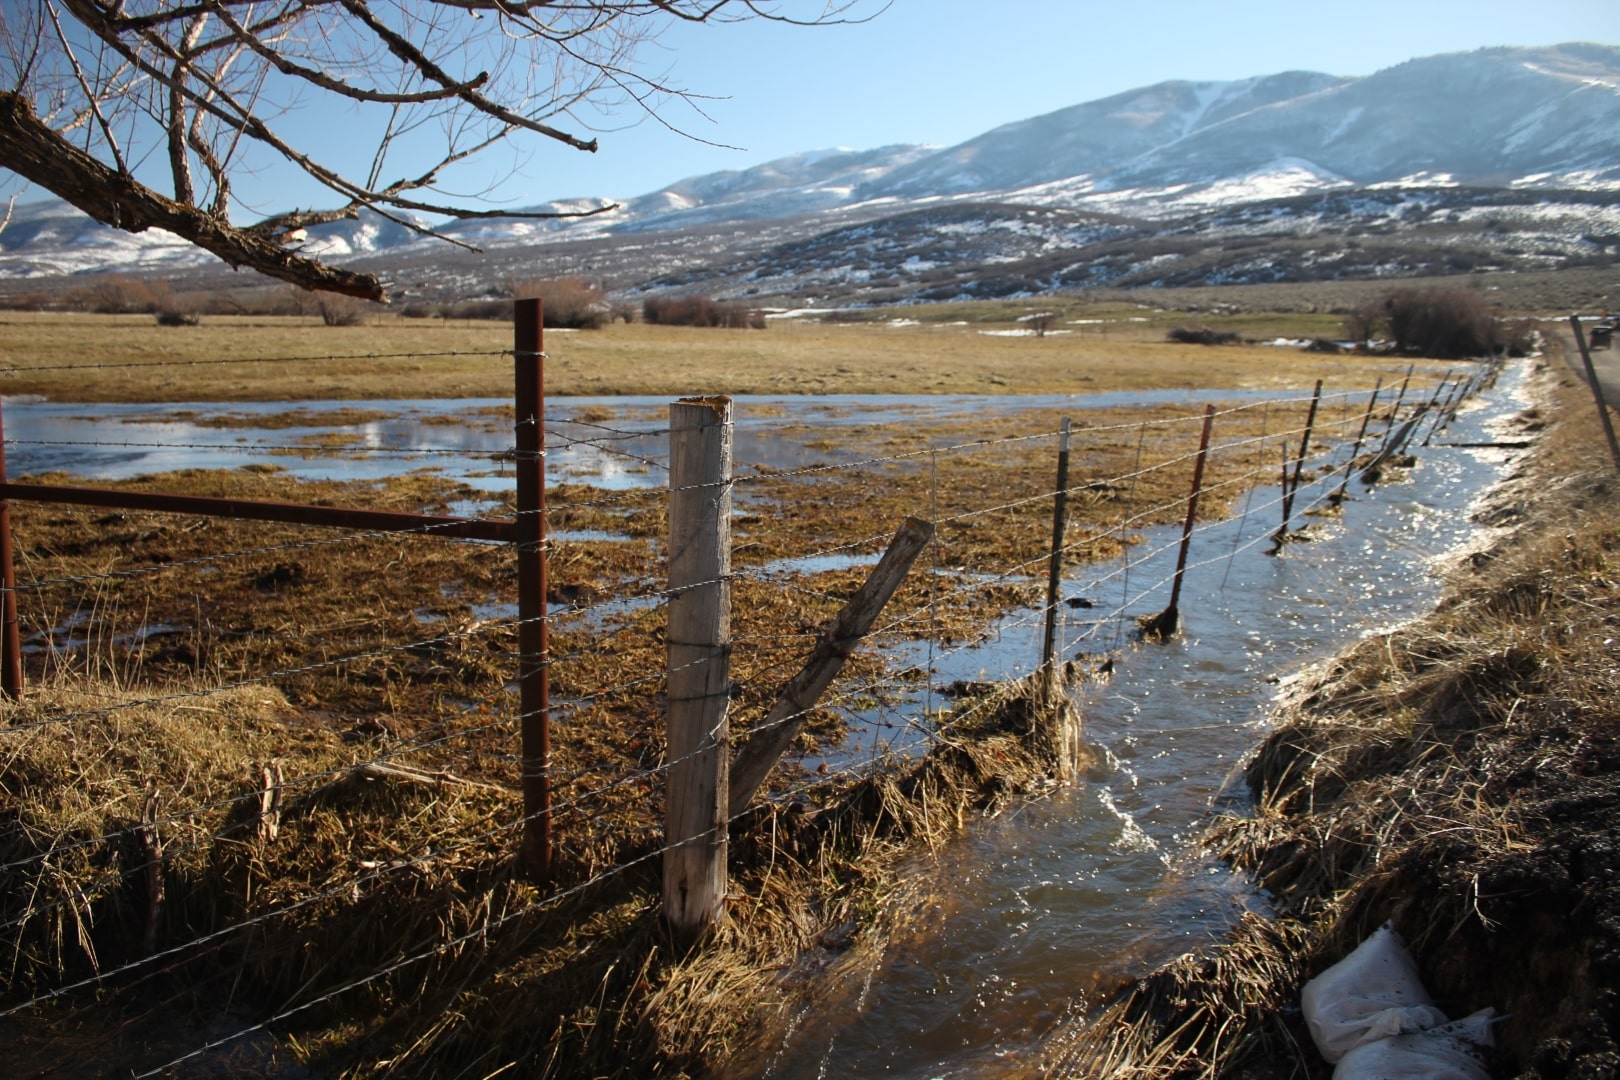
(265,788)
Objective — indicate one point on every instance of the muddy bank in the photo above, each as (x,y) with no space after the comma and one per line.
(1456,776)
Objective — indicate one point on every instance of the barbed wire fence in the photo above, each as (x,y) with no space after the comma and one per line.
(155,774)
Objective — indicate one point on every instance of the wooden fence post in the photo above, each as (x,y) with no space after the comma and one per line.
(11,680)
(1164,625)
(697,786)
(773,735)
(534,675)
(1060,523)
(1591,379)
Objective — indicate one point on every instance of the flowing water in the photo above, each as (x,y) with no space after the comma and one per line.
(1010,925)
(1013,923)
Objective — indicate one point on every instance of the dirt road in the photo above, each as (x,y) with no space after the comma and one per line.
(1606,362)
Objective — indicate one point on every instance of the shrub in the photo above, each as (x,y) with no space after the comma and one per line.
(1442,323)
(178,316)
(567,303)
(1362,321)
(1203,336)
(337,310)
(701,311)
(116,294)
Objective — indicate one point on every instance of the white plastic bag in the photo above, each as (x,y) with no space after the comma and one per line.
(1449,1052)
(1374,993)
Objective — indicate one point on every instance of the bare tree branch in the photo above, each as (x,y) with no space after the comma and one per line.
(112,99)
(37,153)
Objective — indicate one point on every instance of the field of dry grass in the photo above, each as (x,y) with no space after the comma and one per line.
(130,358)
(152,611)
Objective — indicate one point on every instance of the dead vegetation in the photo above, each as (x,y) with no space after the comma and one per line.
(1456,776)
(199,863)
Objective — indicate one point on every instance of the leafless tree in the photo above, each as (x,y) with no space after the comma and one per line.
(105,101)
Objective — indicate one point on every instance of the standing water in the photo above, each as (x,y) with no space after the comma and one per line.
(1008,927)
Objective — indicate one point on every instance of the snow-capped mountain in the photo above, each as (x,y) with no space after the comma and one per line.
(1537,126)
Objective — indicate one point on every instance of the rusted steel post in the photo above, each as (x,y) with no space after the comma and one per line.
(534,676)
(1432,406)
(11,681)
(1164,625)
(1395,410)
(1355,451)
(1292,488)
(1448,408)
(1591,380)
(1060,524)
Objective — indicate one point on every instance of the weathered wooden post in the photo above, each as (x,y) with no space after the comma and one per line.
(534,661)
(697,787)
(773,735)
(1355,451)
(11,680)
(1060,522)
(1292,488)
(1164,625)
(1591,379)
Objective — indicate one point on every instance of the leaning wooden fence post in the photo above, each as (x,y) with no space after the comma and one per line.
(534,675)
(1060,523)
(1163,625)
(1591,379)
(1355,451)
(772,736)
(1292,488)
(696,788)
(11,680)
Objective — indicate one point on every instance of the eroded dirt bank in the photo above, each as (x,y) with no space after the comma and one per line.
(1456,776)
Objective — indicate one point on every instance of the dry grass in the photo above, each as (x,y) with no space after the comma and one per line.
(367,871)
(793,357)
(1455,776)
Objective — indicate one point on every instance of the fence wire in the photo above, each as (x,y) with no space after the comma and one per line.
(893,696)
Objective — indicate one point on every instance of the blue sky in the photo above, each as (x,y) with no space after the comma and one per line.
(941,71)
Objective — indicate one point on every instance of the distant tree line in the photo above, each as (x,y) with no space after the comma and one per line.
(567,304)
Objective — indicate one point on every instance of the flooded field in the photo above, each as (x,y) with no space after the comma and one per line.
(1006,930)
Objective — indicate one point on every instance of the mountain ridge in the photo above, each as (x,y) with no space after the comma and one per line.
(1508,118)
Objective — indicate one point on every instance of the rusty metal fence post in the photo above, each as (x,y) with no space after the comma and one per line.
(10,633)
(1060,523)
(1361,436)
(534,676)
(1292,487)
(1591,378)
(1164,625)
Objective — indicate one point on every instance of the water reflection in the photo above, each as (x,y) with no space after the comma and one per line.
(612,442)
